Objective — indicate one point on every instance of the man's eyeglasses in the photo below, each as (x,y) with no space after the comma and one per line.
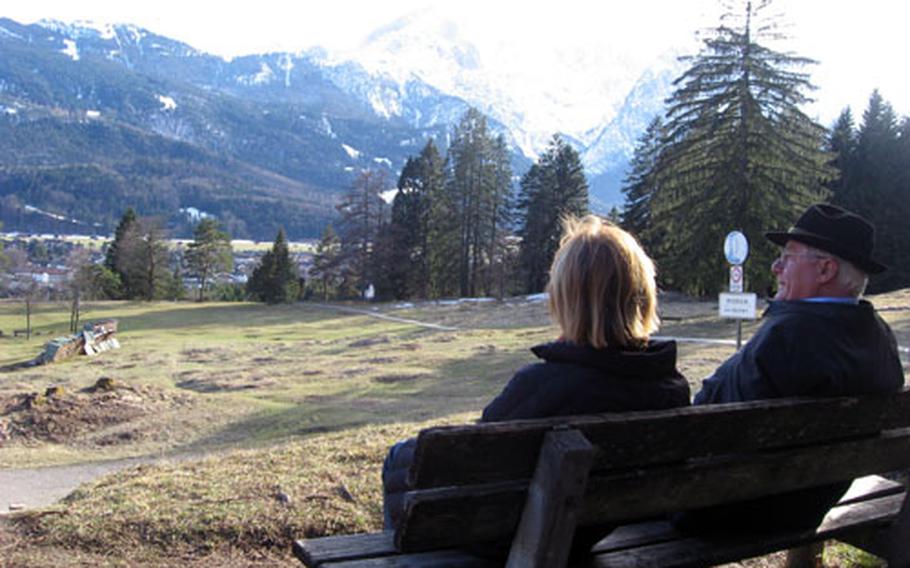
(788,257)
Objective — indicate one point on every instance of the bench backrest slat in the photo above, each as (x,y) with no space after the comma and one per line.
(502,451)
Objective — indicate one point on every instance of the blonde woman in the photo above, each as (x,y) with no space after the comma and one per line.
(603,297)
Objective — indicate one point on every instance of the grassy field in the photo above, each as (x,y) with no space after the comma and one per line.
(297,400)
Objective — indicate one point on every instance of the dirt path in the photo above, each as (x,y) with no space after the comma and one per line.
(38,487)
(386,317)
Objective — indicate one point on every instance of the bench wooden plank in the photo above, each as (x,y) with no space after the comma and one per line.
(317,551)
(701,551)
(453,516)
(481,453)
(655,532)
(441,559)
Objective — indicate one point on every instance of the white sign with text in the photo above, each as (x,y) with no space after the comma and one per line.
(738,306)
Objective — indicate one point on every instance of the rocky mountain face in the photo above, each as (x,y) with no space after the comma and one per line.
(93,119)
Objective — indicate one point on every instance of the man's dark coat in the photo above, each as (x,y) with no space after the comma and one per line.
(803,349)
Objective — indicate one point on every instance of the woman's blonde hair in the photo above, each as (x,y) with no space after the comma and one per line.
(602,288)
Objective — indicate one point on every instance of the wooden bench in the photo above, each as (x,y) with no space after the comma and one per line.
(532,482)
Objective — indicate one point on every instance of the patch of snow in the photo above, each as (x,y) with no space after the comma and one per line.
(10,110)
(167,102)
(7,33)
(265,75)
(194,214)
(70,49)
(459,301)
(349,169)
(403,306)
(389,195)
(327,127)
(93,114)
(104,30)
(352,152)
(286,65)
(385,161)
(56,217)
(405,143)
(541,297)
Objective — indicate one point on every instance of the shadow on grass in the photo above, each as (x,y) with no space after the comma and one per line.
(458,386)
(227,316)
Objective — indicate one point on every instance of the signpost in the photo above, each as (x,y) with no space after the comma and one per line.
(736,304)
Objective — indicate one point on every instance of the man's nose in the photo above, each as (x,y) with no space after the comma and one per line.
(777,266)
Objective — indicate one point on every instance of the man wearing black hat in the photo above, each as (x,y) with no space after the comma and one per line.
(819,339)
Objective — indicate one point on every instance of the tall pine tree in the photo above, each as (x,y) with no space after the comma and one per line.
(480,191)
(554,187)
(326,262)
(738,153)
(362,214)
(641,182)
(209,252)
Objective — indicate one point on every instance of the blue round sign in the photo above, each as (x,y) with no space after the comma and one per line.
(736,247)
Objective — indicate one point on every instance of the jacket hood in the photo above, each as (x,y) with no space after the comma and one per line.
(657,359)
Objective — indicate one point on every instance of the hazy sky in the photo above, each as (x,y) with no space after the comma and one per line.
(860,45)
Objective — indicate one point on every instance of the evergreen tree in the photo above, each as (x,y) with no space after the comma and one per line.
(738,154)
(553,188)
(362,214)
(842,145)
(479,193)
(143,260)
(442,250)
(275,279)
(326,261)
(209,253)
(126,230)
(876,193)
(4,260)
(408,265)
(641,183)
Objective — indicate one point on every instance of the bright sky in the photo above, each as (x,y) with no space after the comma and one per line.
(860,44)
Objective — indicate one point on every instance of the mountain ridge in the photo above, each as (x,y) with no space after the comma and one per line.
(310,118)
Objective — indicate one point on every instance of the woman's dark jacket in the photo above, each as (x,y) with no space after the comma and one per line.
(571,379)
(803,349)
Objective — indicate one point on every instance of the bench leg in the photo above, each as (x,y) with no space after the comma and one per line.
(808,556)
(894,542)
(889,543)
(548,520)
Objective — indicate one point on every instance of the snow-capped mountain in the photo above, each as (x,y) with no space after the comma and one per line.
(596,101)
(131,106)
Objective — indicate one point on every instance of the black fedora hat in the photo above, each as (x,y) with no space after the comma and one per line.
(834,230)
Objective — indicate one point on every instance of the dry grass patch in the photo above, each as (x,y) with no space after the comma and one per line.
(88,417)
(249,502)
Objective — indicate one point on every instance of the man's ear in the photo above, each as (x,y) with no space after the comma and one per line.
(827,270)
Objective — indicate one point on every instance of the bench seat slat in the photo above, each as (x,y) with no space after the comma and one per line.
(314,552)
(655,532)
(441,559)
(701,551)
(480,453)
